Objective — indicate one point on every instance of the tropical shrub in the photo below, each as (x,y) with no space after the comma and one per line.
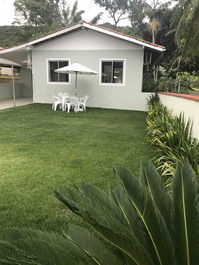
(167,84)
(137,223)
(172,137)
(182,83)
(186,81)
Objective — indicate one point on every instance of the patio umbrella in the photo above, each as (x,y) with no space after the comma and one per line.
(8,63)
(76,69)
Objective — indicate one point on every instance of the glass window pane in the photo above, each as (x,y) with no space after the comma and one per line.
(53,76)
(107,72)
(63,77)
(63,63)
(117,72)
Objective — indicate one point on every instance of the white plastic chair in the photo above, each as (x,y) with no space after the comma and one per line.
(63,98)
(82,103)
(74,103)
(66,103)
(60,94)
(57,102)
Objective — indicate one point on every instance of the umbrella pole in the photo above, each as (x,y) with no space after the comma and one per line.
(13,87)
(76,84)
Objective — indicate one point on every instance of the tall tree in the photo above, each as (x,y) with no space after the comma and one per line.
(154,26)
(46,14)
(96,19)
(117,9)
(38,13)
(186,21)
(71,15)
(138,11)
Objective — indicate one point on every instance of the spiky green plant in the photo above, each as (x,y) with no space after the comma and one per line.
(172,138)
(138,223)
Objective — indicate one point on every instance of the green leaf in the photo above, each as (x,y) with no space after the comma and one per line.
(154,224)
(102,213)
(186,216)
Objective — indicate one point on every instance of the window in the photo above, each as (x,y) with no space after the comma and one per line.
(112,71)
(54,77)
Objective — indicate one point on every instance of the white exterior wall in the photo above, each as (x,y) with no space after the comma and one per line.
(190,109)
(86,40)
(87,47)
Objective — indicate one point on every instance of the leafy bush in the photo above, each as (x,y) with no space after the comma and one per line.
(167,85)
(138,223)
(172,137)
(182,83)
(153,99)
(187,81)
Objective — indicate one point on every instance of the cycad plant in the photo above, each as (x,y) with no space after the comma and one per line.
(137,223)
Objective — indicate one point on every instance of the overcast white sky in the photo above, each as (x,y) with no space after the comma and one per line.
(7,11)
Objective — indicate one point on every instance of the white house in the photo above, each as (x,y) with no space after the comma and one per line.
(118,58)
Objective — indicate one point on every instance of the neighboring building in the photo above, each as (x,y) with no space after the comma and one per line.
(5,70)
(118,58)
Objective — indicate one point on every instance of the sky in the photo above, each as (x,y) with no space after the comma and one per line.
(7,11)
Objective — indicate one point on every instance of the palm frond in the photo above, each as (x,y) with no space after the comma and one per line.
(141,199)
(100,211)
(186,216)
(35,247)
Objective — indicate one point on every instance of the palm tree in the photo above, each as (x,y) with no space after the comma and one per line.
(186,21)
(71,16)
(138,223)
(153,27)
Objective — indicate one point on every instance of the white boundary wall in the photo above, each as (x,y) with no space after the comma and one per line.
(189,107)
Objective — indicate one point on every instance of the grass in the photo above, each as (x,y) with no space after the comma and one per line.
(41,150)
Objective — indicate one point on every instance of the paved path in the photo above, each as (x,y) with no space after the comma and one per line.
(8,103)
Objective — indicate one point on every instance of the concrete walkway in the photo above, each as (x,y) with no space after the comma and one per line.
(8,103)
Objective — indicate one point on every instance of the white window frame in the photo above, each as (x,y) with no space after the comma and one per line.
(112,60)
(47,67)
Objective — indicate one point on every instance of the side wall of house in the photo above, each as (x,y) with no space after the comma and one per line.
(87,48)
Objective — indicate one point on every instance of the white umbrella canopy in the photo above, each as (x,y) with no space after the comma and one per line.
(76,69)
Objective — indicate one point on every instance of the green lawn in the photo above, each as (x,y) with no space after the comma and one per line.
(41,150)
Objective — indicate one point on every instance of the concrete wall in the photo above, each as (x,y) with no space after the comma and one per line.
(23,88)
(7,92)
(190,109)
(26,80)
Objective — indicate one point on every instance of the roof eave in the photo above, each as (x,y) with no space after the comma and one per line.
(34,42)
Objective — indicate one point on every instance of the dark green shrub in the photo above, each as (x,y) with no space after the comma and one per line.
(153,99)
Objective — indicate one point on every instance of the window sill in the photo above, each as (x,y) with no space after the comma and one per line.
(111,84)
(58,83)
